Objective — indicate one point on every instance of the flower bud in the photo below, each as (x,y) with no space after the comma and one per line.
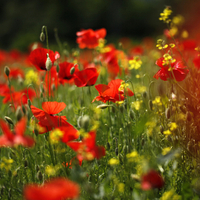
(9,120)
(18,113)
(103,106)
(168,113)
(42,36)
(7,71)
(150,105)
(40,176)
(25,164)
(84,122)
(144,94)
(161,129)
(29,103)
(48,63)
(108,145)
(72,70)
(116,151)
(24,109)
(57,68)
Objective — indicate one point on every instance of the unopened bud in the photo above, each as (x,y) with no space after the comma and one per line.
(25,164)
(132,114)
(72,70)
(18,113)
(84,121)
(108,145)
(40,176)
(116,151)
(7,71)
(29,103)
(150,105)
(103,106)
(57,68)
(144,94)
(161,129)
(24,109)
(42,36)
(168,113)
(53,87)
(9,120)
(48,63)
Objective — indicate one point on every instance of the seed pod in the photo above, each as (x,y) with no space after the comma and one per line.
(9,120)
(7,71)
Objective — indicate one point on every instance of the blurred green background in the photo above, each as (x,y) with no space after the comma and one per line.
(21,21)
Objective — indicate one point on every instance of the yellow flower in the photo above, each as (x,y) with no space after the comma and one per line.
(31,77)
(173,126)
(6,163)
(166,150)
(56,135)
(121,187)
(170,195)
(167,132)
(135,63)
(113,161)
(157,101)
(164,16)
(136,104)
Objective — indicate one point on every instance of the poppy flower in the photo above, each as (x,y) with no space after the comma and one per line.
(55,189)
(47,118)
(64,74)
(16,137)
(16,73)
(87,149)
(114,91)
(38,57)
(86,77)
(90,38)
(179,70)
(152,179)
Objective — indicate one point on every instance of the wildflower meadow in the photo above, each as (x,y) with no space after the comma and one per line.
(104,121)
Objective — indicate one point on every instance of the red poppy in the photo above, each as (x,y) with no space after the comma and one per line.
(90,38)
(86,77)
(179,70)
(55,189)
(112,91)
(38,57)
(16,73)
(64,74)
(47,118)
(16,137)
(87,149)
(152,179)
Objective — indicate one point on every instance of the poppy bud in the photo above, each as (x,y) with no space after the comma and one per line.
(37,168)
(116,151)
(9,120)
(103,106)
(53,87)
(144,94)
(84,122)
(168,113)
(42,36)
(24,109)
(7,71)
(18,113)
(25,164)
(161,129)
(108,145)
(72,70)
(132,114)
(121,159)
(36,131)
(29,103)
(150,105)
(57,68)
(48,63)
(40,176)
(188,116)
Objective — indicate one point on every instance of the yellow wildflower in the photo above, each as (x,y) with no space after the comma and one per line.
(31,77)
(166,150)
(173,126)
(121,187)
(135,63)
(167,132)
(56,135)
(164,16)
(113,161)
(170,195)
(6,163)
(136,104)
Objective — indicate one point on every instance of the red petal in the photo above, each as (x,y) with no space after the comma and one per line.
(53,107)
(6,130)
(20,127)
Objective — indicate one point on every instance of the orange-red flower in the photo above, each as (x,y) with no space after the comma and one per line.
(55,189)
(47,118)
(90,38)
(86,77)
(179,70)
(112,91)
(64,74)
(87,149)
(16,137)
(152,179)
(38,57)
